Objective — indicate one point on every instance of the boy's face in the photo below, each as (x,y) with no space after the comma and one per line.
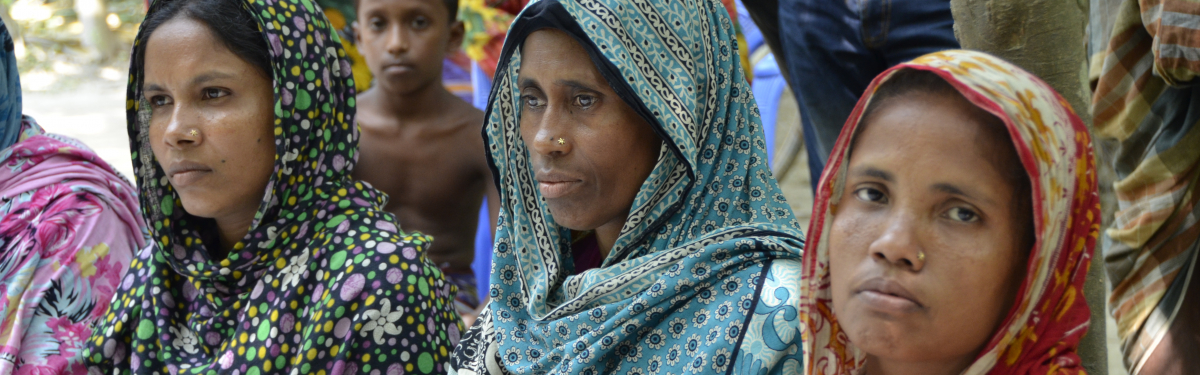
(405,41)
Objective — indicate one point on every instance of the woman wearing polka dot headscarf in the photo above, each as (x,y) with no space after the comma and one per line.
(267,257)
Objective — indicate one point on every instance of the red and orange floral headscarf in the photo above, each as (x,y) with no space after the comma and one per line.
(1041,333)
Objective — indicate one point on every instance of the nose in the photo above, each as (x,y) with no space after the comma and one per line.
(900,244)
(397,39)
(551,137)
(183,130)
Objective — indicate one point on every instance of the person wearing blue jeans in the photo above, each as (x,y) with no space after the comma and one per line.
(833,49)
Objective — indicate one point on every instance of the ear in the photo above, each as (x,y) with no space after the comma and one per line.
(457,31)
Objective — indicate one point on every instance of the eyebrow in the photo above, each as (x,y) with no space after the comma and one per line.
(875,173)
(955,190)
(575,84)
(528,82)
(210,76)
(199,80)
(943,187)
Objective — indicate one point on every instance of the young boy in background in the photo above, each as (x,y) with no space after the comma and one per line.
(420,143)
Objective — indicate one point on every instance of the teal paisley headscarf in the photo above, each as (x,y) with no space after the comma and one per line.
(10,92)
(325,282)
(704,275)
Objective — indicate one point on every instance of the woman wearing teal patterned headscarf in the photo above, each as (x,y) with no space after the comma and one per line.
(641,231)
(267,257)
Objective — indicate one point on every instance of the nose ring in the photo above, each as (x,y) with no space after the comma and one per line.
(194,133)
(562,141)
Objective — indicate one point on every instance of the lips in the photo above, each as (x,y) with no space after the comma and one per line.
(184,173)
(888,296)
(555,184)
(398,68)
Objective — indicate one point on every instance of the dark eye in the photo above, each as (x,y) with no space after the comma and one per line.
(159,101)
(962,214)
(213,93)
(869,195)
(376,23)
(420,22)
(531,101)
(585,100)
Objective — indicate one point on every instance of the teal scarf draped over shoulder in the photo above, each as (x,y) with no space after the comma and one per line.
(704,275)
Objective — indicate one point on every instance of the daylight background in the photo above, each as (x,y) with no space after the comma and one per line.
(74,62)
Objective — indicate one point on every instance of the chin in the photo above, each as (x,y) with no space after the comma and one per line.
(889,339)
(197,206)
(569,218)
(401,86)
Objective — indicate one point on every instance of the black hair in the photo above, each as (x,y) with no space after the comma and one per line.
(232,24)
(910,82)
(451,7)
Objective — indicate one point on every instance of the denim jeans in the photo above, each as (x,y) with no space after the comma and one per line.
(834,48)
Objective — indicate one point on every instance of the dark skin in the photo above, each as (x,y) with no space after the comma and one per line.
(420,144)
(591,176)
(1176,353)
(211,126)
(904,197)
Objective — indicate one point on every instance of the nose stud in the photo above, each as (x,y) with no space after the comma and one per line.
(194,133)
(921,256)
(562,141)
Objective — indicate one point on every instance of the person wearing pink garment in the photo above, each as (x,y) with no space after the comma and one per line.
(69,224)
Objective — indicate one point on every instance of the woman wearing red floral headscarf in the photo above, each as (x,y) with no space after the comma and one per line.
(953,227)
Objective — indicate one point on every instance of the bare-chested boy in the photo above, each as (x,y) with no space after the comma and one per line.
(421,144)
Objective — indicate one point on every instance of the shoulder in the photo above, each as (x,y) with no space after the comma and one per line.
(374,254)
(368,109)
(378,283)
(465,117)
(772,341)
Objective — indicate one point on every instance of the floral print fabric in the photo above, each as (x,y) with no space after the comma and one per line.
(325,282)
(69,225)
(1042,332)
(703,277)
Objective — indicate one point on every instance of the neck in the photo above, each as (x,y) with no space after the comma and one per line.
(426,101)
(606,236)
(232,231)
(882,366)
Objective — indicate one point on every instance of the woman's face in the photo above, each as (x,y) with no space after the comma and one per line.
(212,125)
(590,178)
(922,180)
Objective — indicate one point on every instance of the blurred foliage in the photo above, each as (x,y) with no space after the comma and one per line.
(51,33)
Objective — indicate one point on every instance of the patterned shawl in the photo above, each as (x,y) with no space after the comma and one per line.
(703,275)
(1043,329)
(324,282)
(69,225)
(1147,104)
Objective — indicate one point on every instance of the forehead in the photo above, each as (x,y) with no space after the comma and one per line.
(182,30)
(433,6)
(181,40)
(942,131)
(550,55)
(182,49)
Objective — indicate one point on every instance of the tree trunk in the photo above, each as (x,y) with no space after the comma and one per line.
(98,41)
(1046,37)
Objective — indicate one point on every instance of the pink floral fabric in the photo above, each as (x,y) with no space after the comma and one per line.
(69,225)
